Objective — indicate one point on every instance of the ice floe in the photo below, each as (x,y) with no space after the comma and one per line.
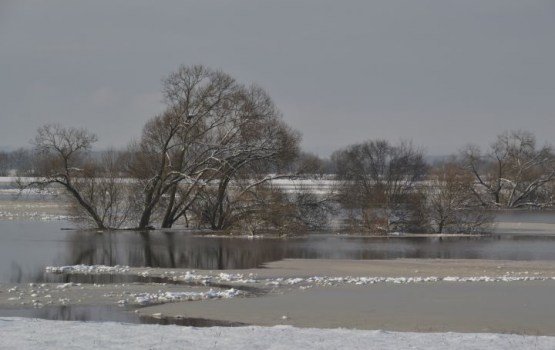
(167,297)
(88,269)
(192,276)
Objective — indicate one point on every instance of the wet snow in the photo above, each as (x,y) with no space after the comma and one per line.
(23,334)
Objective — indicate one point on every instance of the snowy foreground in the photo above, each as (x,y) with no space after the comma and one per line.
(21,333)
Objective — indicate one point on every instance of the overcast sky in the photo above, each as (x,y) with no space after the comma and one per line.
(442,73)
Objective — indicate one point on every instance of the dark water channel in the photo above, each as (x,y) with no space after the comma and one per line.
(110,313)
(26,247)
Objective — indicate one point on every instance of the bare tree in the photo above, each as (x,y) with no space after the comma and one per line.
(513,172)
(452,205)
(61,157)
(379,182)
(102,186)
(270,208)
(175,146)
(213,145)
(93,186)
(150,164)
(258,138)
(212,130)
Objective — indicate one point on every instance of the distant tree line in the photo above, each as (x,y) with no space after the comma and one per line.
(211,157)
(388,188)
(18,162)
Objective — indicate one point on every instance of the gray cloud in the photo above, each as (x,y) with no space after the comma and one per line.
(443,73)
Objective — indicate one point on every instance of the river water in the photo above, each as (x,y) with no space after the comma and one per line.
(27,246)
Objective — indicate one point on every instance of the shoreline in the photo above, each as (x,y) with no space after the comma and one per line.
(521,307)
(404,294)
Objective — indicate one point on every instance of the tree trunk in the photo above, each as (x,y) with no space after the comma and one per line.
(168,219)
(94,215)
(145,218)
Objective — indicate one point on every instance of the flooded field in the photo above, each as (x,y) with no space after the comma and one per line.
(27,246)
(34,233)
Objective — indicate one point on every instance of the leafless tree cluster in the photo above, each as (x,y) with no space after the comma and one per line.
(389,188)
(209,159)
(211,145)
(452,206)
(386,188)
(205,159)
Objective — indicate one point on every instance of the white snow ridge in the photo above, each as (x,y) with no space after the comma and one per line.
(165,297)
(24,334)
(88,269)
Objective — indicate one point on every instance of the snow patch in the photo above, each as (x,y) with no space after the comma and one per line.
(238,278)
(88,269)
(24,334)
(167,297)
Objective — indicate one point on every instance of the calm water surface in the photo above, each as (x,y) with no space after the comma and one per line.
(26,247)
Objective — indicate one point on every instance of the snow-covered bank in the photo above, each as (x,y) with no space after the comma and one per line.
(46,295)
(20,333)
(210,277)
(397,295)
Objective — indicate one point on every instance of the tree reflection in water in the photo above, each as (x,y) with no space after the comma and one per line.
(170,249)
(175,249)
(75,313)
(102,313)
(27,249)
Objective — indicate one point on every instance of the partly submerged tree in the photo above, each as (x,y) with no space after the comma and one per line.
(61,158)
(514,172)
(93,186)
(452,206)
(109,194)
(212,130)
(379,185)
(258,141)
(172,159)
(268,207)
(204,156)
